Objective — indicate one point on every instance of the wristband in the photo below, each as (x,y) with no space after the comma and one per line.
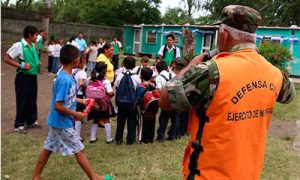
(22,65)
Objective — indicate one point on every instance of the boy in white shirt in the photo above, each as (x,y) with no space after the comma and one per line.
(144,64)
(161,80)
(126,110)
(50,55)
(56,56)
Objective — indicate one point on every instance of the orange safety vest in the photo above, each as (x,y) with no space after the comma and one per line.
(234,137)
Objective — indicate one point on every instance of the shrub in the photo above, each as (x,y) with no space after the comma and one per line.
(276,54)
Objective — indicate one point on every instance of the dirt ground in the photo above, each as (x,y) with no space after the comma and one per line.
(8,98)
(8,105)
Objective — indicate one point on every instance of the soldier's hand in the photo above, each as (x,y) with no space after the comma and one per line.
(27,66)
(198,59)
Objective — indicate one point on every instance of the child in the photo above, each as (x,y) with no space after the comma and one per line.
(80,77)
(56,56)
(163,77)
(61,135)
(144,64)
(93,52)
(98,77)
(147,116)
(50,55)
(173,66)
(126,84)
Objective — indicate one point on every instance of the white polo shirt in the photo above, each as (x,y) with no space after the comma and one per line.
(161,81)
(16,50)
(161,50)
(135,79)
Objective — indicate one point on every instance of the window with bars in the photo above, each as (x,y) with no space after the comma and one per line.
(151,37)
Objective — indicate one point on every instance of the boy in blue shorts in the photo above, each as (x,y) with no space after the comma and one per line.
(62,135)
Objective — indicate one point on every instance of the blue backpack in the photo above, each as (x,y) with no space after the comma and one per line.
(125,96)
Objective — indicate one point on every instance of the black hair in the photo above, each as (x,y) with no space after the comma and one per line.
(68,54)
(171,36)
(180,66)
(105,47)
(72,38)
(42,30)
(161,65)
(114,36)
(146,74)
(93,42)
(99,71)
(145,58)
(80,33)
(174,61)
(129,62)
(29,30)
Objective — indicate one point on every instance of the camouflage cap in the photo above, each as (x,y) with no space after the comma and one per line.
(240,17)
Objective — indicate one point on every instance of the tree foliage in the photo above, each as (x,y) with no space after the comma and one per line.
(276,54)
(274,12)
(176,16)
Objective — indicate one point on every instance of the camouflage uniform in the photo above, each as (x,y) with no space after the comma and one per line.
(199,84)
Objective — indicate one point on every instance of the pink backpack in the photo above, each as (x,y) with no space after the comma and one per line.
(96,90)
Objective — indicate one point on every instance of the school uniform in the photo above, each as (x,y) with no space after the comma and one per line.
(25,83)
(50,57)
(164,116)
(126,114)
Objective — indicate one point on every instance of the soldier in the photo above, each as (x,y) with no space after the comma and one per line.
(231,98)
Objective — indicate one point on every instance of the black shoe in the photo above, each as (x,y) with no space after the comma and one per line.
(170,138)
(160,140)
(118,142)
(109,142)
(35,125)
(81,139)
(93,141)
(100,126)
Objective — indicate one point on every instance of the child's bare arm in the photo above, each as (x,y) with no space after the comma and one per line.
(81,82)
(81,101)
(59,106)
(111,94)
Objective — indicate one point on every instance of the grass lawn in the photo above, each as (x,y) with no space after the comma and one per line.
(291,111)
(139,161)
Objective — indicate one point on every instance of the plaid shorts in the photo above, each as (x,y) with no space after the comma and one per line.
(65,140)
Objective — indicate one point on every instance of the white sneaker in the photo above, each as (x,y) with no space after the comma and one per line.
(20,129)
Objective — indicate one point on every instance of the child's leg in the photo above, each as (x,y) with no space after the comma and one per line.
(107,126)
(42,160)
(94,129)
(121,119)
(85,165)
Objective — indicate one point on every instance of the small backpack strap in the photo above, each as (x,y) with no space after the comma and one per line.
(164,77)
(138,71)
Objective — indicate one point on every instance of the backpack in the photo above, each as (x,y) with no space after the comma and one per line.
(149,103)
(170,77)
(138,71)
(125,95)
(96,90)
(165,50)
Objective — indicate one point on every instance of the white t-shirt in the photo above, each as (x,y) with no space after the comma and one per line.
(93,52)
(74,43)
(161,81)
(39,37)
(100,45)
(118,42)
(161,50)
(107,86)
(57,48)
(16,50)
(51,50)
(137,70)
(135,79)
(79,74)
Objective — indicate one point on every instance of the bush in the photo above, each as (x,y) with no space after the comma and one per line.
(276,54)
